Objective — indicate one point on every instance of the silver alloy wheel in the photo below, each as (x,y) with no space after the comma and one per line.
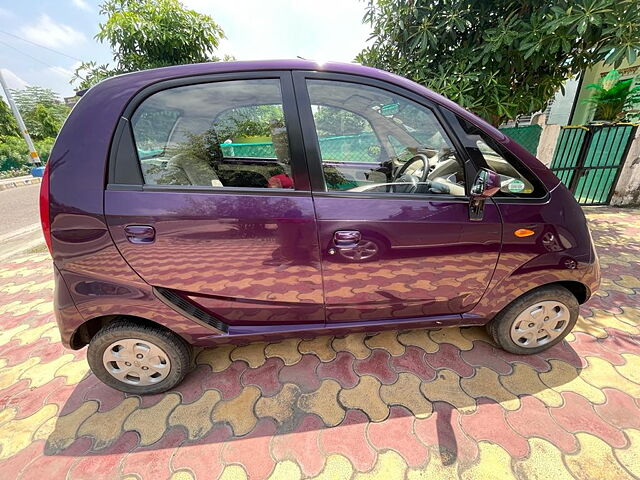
(136,362)
(540,323)
(365,250)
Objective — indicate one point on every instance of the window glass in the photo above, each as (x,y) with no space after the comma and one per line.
(222,134)
(376,142)
(515,179)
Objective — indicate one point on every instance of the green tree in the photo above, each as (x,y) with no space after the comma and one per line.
(42,110)
(8,124)
(499,58)
(331,121)
(151,33)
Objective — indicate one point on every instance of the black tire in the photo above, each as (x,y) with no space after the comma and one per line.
(500,327)
(175,348)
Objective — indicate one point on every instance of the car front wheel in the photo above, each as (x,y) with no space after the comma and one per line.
(138,359)
(536,321)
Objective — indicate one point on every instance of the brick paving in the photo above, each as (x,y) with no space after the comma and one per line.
(402,404)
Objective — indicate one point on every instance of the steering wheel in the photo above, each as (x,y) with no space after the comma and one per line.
(402,176)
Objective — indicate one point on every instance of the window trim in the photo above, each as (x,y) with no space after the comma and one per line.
(314,158)
(123,175)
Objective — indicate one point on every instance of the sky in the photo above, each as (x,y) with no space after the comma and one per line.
(42,41)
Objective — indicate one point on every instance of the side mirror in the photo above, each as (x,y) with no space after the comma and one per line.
(486,184)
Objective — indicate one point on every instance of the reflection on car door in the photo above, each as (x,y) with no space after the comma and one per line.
(386,254)
(219,219)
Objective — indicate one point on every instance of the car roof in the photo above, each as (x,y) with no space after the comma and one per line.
(179,71)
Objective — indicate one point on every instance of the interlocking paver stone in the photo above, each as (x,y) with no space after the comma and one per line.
(324,403)
(396,433)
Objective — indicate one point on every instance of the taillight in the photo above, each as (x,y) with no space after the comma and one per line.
(45,220)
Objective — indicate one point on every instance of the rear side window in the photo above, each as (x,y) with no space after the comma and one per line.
(222,134)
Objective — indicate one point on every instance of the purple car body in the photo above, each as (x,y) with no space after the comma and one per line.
(193,259)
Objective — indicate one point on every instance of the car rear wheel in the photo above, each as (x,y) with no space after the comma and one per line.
(536,321)
(138,359)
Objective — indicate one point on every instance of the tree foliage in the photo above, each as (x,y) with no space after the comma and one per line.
(499,58)
(331,121)
(43,113)
(42,110)
(8,124)
(151,33)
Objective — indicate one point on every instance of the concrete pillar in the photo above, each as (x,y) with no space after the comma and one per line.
(547,144)
(627,190)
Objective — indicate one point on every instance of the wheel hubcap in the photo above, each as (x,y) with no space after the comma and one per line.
(136,362)
(365,250)
(540,323)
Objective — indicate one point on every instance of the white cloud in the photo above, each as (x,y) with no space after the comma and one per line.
(63,72)
(14,82)
(51,34)
(318,30)
(82,5)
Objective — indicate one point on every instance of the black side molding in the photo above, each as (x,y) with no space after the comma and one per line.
(189,310)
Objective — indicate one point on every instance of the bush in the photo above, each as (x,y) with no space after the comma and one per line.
(14,154)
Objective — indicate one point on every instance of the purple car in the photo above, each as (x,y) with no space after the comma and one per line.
(234,202)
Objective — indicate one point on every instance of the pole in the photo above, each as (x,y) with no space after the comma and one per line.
(33,155)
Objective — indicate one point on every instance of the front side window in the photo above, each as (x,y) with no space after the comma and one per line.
(374,141)
(515,179)
(222,134)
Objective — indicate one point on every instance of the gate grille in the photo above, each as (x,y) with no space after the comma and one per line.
(588,160)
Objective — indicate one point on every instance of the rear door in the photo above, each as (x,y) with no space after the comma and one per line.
(392,247)
(209,197)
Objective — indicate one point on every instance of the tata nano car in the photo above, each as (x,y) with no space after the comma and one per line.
(231,202)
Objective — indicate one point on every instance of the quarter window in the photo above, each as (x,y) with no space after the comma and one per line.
(222,134)
(372,141)
(516,180)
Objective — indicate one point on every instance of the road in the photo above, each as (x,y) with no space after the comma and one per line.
(20,219)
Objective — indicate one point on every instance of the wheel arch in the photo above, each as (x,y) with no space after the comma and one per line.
(85,332)
(578,289)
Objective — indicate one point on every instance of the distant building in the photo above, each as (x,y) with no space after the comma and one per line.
(71,101)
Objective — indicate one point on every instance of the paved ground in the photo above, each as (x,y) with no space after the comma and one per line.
(19,207)
(20,223)
(415,404)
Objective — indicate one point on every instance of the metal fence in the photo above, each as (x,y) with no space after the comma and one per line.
(588,159)
(363,147)
(528,136)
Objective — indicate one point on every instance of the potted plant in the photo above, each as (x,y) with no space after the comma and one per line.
(610,96)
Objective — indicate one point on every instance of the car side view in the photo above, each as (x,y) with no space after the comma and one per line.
(227,202)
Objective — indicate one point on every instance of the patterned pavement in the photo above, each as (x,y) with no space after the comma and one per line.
(402,404)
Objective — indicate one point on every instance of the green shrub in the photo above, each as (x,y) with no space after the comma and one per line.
(14,154)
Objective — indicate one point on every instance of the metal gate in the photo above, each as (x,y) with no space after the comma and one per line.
(588,159)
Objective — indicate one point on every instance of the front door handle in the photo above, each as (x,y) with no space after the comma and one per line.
(347,238)
(140,233)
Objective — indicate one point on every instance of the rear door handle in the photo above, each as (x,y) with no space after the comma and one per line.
(346,238)
(140,233)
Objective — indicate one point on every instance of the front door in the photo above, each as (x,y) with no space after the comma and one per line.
(223,213)
(390,196)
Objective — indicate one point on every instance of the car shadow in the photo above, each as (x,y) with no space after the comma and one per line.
(327,391)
